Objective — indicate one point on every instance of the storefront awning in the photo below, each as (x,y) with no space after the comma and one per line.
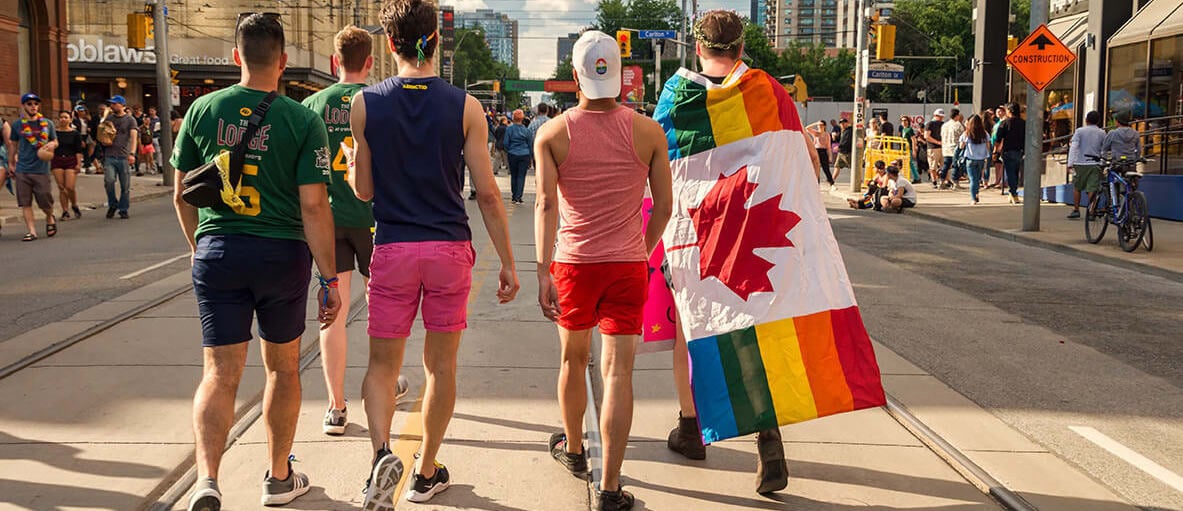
(1159,18)
(1071,30)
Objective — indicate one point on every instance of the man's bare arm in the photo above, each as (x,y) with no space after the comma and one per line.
(813,158)
(476,157)
(361,175)
(186,213)
(318,227)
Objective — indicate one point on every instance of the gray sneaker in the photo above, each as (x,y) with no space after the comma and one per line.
(335,421)
(206,496)
(278,493)
(383,481)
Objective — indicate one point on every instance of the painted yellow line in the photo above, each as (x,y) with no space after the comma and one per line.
(410,438)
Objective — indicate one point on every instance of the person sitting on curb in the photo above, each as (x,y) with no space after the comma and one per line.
(901,194)
(1084,158)
(876,189)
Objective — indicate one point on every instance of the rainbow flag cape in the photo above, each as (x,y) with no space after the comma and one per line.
(775,335)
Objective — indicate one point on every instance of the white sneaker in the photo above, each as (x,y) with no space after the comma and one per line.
(335,421)
(206,496)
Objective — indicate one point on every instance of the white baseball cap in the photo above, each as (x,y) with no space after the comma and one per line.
(940,112)
(596,60)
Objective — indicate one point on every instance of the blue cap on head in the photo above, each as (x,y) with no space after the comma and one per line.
(80,108)
(118,100)
(30,96)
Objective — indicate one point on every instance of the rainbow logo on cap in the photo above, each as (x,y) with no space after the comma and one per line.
(601,66)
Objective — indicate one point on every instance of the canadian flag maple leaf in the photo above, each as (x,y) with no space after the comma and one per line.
(729,231)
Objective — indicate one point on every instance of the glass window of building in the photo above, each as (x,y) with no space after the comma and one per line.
(805,22)
(1165,100)
(1127,80)
(807,13)
(807,31)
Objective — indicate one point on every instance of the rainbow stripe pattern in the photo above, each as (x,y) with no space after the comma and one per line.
(783,372)
(698,118)
(805,353)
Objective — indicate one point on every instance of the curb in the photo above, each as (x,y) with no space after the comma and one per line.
(153,192)
(1056,247)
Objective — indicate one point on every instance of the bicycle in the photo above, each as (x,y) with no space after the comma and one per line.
(1120,204)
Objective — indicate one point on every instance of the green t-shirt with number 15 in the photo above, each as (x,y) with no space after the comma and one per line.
(332,105)
(289,149)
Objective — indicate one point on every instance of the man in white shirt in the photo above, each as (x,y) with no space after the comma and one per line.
(901,194)
(1084,158)
(951,132)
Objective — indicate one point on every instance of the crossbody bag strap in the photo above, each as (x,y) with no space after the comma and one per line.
(238,156)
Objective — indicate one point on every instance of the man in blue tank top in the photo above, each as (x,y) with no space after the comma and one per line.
(414,134)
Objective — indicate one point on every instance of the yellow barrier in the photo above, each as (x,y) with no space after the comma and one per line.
(887,149)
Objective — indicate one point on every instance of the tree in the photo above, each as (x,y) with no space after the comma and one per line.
(825,75)
(563,72)
(474,62)
(613,15)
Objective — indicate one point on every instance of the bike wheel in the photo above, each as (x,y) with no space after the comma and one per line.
(1130,235)
(1096,217)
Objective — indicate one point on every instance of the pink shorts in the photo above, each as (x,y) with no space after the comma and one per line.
(438,273)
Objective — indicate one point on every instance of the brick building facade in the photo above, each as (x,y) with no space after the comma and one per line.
(32,53)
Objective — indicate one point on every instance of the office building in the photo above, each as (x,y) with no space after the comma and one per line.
(501,32)
(803,21)
(565,47)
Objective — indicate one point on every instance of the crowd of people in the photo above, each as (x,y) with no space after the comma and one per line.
(115,142)
(404,145)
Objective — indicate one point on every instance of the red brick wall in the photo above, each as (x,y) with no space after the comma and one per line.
(51,79)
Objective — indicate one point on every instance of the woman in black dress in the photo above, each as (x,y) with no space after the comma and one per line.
(66,163)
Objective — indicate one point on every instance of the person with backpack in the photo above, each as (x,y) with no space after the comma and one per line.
(120,136)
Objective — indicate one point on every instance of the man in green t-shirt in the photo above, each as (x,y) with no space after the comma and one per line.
(352,217)
(253,259)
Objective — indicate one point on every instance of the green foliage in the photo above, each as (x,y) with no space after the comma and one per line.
(474,62)
(563,72)
(825,75)
(613,15)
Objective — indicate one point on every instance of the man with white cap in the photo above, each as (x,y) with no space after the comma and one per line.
(594,163)
(936,157)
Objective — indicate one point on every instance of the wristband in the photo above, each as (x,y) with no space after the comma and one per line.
(326,283)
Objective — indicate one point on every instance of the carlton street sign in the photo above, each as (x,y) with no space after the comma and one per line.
(1041,57)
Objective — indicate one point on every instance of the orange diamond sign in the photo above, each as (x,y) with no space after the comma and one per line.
(1041,57)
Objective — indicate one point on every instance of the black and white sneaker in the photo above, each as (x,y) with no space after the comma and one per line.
(335,421)
(423,488)
(380,487)
(278,492)
(576,464)
(618,500)
(206,496)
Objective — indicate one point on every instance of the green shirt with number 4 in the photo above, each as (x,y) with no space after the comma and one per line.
(289,149)
(332,105)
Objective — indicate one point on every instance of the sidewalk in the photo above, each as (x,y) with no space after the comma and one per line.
(996,217)
(106,424)
(92,196)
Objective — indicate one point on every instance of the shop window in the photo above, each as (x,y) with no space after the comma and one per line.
(24,46)
(1127,80)
(1165,102)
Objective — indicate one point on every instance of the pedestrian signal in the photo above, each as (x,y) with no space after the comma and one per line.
(496,86)
(885,37)
(624,40)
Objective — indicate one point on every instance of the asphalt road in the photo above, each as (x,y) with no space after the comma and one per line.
(51,279)
(1044,340)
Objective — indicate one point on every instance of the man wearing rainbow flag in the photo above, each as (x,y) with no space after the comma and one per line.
(765,309)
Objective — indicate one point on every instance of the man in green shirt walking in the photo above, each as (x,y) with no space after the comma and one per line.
(252,259)
(353,218)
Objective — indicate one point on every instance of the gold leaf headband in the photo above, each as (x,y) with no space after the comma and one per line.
(702,38)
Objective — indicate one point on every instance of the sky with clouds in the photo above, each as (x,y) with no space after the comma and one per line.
(541,22)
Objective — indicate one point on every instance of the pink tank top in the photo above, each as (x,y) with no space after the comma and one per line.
(601,187)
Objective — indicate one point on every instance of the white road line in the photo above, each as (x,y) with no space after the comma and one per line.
(841,217)
(161,264)
(1130,456)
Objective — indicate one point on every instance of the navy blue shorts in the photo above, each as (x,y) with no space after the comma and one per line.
(237,277)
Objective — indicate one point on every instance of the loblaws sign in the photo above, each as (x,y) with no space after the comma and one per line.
(101,52)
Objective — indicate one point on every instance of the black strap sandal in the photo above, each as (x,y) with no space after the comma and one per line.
(51,230)
(29,237)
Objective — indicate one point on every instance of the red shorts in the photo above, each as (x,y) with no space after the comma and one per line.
(611,295)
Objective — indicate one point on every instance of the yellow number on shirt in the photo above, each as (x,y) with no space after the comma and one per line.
(340,164)
(250,194)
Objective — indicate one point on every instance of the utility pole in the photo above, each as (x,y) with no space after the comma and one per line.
(682,36)
(658,47)
(694,11)
(860,90)
(1033,161)
(164,87)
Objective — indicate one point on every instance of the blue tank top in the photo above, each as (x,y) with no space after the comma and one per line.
(415,130)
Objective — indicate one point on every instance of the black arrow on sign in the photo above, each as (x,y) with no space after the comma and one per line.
(1041,42)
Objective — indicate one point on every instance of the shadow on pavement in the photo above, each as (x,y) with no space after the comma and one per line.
(65,457)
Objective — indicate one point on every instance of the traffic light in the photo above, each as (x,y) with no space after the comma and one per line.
(1012,42)
(496,85)
(624,40)
(885,37)
(139,27)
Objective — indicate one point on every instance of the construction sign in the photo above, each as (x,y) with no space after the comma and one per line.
(1041,57)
